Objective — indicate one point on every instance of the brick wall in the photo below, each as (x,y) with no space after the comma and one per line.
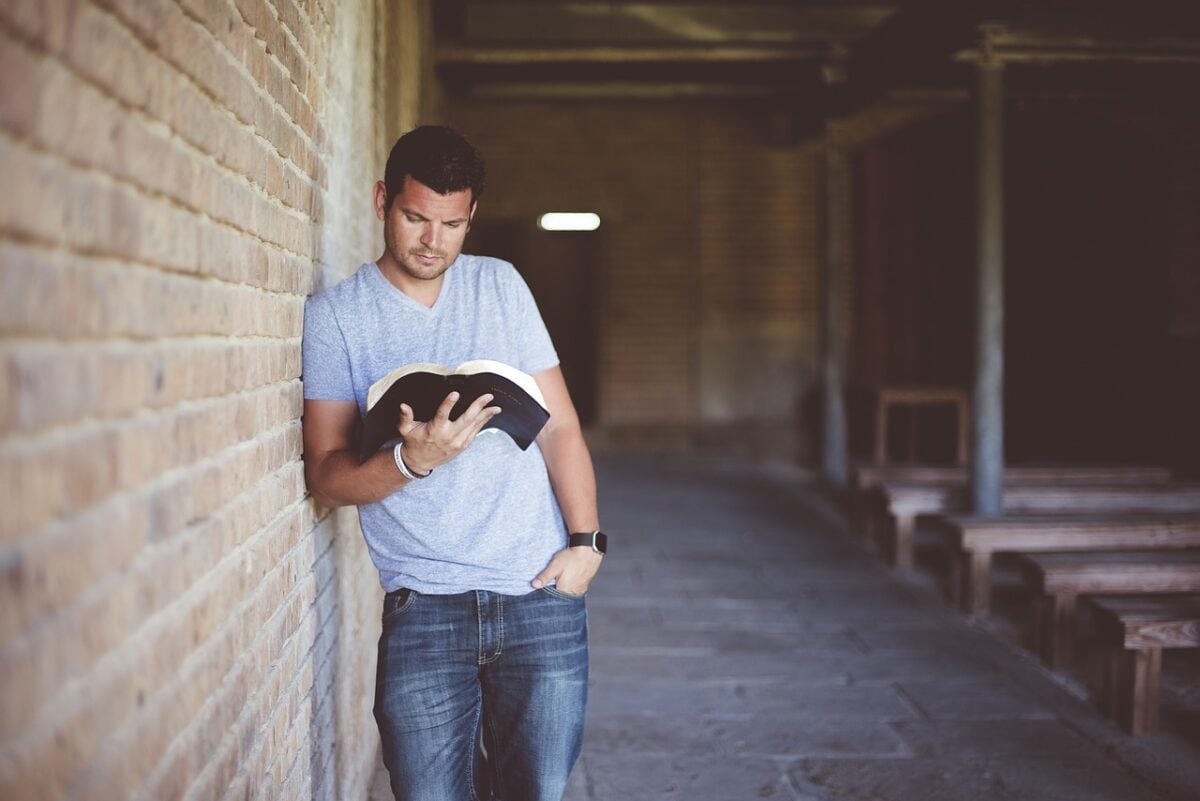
(575,158)
(759,264)
(707,287)
(177,619)
(711,241)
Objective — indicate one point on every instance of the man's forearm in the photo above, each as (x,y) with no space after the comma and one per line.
(574,481)
(337,479)
(572,477)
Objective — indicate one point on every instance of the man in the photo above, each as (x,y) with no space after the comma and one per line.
(482,671)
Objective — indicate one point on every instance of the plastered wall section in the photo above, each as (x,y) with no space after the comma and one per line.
(177,619)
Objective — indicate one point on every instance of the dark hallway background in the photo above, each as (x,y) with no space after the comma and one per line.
(562,270)
(1088,319)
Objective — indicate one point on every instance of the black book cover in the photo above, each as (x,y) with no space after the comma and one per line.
(423,387)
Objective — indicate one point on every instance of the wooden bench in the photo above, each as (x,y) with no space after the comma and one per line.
(1131,632)
(867,476)
(975,540)
(1058,579)
(893,507)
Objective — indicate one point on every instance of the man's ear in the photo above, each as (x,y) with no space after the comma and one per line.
(380,200)
(471,213)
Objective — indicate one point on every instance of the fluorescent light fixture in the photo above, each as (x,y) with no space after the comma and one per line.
(569,221)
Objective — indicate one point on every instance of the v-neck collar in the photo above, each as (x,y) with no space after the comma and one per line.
(404,297)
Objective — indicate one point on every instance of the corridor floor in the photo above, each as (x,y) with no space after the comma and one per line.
(745,645)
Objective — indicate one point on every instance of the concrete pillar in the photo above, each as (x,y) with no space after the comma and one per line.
(987,453)
(835,459)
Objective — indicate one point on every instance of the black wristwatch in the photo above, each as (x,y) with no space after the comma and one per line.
(596,540)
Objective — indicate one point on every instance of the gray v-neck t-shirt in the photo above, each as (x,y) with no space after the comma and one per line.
(487,519)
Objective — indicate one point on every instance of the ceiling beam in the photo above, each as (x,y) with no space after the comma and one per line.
(618,90)
(1054,52)
(609,54)
(1047,39)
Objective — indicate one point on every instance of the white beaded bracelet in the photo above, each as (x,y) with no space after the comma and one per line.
(403,466)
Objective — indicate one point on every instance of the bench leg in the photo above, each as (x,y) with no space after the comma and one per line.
(902,540)
(874,516)
(956,581)
(881,419)
(874,521)
(1097,672)
(1053,628)
(860,514)
(964,433)
(882,532)
(1133,688)
(975,594)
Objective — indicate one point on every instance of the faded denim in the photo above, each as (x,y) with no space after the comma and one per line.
(480,696)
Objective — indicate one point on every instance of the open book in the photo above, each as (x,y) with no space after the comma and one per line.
(423,387)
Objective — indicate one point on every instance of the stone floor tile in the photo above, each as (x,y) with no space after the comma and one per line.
(577,789)
(703,665)
(945,642)
(787,737)
(648,734)
(684,702)
(995,738)
(968,698)
(900,780)
(807,703)
(747,640)
(641,777)
(874,668)
(1058,780)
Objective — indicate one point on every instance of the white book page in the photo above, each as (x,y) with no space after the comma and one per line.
(522,380)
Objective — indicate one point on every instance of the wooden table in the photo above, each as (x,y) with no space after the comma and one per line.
(976,540)
(1058,579)
(921,396)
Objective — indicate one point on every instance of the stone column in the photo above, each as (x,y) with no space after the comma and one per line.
(834,455)
(987,453)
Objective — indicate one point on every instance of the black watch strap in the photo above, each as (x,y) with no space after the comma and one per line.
(596,540)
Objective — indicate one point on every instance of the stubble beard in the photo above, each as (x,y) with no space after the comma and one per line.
(414,268)
(408,263)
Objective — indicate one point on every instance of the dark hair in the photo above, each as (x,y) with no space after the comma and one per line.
(437,156)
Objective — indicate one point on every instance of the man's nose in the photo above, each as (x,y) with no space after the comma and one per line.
(430,234)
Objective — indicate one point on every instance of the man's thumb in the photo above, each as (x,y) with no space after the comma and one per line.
(405,423)
(543,578)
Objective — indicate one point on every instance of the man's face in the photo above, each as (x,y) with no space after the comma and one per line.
(423,231)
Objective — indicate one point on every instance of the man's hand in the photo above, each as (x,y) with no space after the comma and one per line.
(571,570)
(428,445)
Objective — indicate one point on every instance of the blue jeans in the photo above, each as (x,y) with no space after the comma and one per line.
(481,696)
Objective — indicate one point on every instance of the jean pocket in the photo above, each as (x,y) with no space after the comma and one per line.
(550,589)
(397,602)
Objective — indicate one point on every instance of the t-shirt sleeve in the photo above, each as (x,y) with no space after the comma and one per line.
(326,361)
(536,348)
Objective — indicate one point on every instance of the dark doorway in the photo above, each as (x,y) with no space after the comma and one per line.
(561,268)
(1086,327)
